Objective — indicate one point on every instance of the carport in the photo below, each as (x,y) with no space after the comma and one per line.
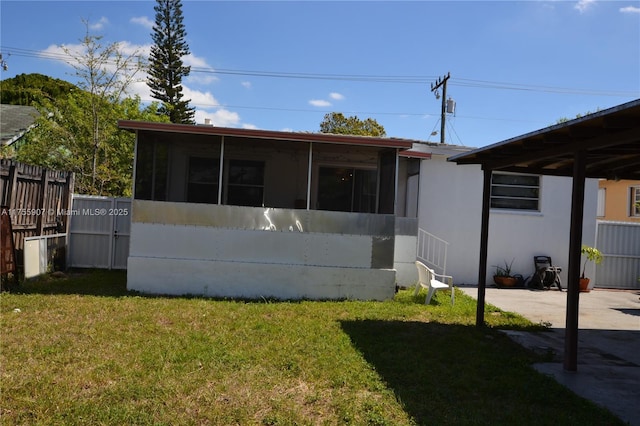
(602,145)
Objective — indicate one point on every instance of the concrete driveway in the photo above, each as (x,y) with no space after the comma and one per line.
(608,341)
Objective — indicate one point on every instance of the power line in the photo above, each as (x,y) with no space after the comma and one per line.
(370,78)
(370,113)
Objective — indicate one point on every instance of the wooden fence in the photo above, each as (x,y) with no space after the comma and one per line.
(38,201)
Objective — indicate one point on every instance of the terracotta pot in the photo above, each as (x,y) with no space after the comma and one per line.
(505,281)
(584,285)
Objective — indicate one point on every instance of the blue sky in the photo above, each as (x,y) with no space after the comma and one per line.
(516,66)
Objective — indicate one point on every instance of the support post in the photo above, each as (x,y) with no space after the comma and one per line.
(484,244)
(309,168)
(221,171)
(575,243)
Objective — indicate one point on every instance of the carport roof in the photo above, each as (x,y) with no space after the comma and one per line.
(611,138)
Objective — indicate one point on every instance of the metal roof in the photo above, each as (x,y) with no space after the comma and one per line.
(327,138)
(610,137)
(15,120)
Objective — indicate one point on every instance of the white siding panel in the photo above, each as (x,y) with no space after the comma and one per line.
(254,280)
(207,243)
(405,260)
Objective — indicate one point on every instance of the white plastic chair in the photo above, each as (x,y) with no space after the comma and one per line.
(427,278)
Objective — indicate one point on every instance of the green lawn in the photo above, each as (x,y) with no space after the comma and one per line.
(82,350)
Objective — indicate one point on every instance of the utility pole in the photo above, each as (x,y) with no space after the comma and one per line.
(442,81)
(3,63)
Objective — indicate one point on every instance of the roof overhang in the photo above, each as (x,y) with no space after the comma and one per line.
(326,138)
(415,154)
(611,139)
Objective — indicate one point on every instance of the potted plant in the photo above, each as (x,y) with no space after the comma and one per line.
(591,254)
(502,277)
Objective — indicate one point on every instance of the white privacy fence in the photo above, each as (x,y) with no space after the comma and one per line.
(99,232)
(619,243)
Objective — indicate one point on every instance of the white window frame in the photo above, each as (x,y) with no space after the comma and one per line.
(634,201)
(512,200)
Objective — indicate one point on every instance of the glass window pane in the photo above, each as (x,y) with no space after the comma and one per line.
(160,177)
(251,196)
(246,183)
(202,185)
(144,170)
(364,192)
(334,189)
(635,201)
(246,172)
(513,191)
(517,192)
(520,180)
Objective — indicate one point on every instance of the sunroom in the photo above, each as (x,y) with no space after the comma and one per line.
(246,213)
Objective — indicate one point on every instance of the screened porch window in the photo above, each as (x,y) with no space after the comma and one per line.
(245,183)
(202,182)
(347,189)
(515,191)
(151,171)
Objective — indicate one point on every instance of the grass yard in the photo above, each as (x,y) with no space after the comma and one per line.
(81,350)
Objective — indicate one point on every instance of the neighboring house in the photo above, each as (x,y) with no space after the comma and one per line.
(619,200)
(15,121)
(251,213)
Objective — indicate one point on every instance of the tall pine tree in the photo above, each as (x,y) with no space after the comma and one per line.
(166,68)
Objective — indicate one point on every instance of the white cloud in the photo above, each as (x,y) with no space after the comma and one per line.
(192,60)
(128,48)
(319,103)
(250,126)
(200,78)
(630,9)
(142,21)
(141,89)
(203,72)
(204,99)
(336,96)
(583,5)
(207,106)
(99,25)
(246,84)
(221,117)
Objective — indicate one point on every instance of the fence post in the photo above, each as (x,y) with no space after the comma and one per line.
(44,182)
(67,201)
(12,185)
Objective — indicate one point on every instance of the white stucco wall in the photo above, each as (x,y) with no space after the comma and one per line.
(404,261)
(451,206)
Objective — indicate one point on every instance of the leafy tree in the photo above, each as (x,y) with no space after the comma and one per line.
(77,129)
(24,89)
(565,119)
(166,68)
(105,72)
(337,123)
(63,141)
